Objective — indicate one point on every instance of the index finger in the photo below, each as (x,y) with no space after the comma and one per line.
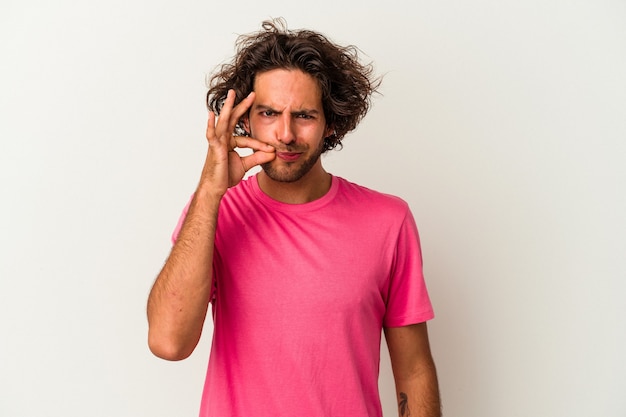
(231,114)
(242,108)
(251,143)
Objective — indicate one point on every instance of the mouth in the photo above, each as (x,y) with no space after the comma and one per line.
(288,156)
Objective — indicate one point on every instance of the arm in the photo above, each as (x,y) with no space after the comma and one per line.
(414,371)
(179,299)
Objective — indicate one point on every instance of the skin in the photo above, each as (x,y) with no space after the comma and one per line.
(414,371)
(285,119)
(288,115)
(178,301)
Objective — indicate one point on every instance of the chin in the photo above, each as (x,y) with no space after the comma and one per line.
(290,172)
(283,175)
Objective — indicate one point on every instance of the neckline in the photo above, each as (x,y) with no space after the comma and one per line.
(287,207)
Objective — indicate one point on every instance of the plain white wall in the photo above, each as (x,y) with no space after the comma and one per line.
(502,123)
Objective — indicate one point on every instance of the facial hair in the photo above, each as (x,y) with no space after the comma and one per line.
(294,171)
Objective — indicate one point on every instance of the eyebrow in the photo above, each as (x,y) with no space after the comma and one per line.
(264,107)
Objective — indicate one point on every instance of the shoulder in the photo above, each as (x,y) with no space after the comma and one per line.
(372,199)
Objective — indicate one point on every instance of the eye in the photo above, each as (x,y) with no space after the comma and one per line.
(304,116)
(268,113)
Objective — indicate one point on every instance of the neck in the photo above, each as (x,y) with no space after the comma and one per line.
(315,184)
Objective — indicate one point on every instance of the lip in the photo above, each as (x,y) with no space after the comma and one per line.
(288,156)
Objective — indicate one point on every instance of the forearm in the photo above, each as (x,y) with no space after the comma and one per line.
(179,298)
(414,371)
(418,394)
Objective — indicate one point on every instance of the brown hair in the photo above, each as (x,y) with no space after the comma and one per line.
(346,84)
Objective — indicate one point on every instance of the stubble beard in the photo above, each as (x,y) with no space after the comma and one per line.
(294,171)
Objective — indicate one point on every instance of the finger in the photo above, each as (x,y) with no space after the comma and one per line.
(223,121)
(210,128)
(236,113)
(251,143)
(257,158)
(243,106)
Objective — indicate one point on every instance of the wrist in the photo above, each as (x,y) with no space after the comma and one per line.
(207,193)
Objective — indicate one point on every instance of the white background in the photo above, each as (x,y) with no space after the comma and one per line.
(502,123)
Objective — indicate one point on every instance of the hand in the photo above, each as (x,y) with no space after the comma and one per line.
(224,167)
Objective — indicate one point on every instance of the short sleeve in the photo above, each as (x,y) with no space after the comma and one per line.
(408,301)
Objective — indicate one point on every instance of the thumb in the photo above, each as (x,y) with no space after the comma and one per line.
(258,158)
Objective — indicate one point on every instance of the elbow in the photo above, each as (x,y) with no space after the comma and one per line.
(167,348)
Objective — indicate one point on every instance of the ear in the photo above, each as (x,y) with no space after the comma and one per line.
(330,130)
(245,123)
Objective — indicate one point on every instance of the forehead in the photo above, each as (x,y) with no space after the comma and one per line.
(281,88)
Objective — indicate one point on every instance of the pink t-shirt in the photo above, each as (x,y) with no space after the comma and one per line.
(302,292)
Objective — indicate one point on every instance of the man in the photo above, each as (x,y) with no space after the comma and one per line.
(303,269)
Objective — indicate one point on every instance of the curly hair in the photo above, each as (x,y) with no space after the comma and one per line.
(346,84)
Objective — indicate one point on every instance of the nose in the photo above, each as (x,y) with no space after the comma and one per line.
(286,133)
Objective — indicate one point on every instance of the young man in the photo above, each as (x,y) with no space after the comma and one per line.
(303,269)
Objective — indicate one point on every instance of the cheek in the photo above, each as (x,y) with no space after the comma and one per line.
(259,125)
(259,131)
